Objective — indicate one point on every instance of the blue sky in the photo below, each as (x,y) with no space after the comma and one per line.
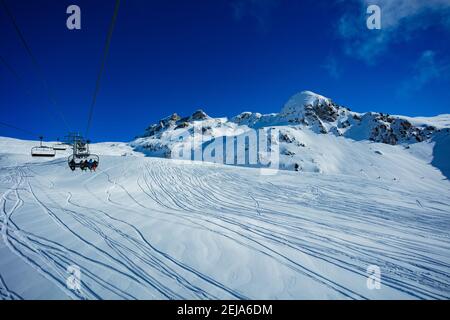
(224,56)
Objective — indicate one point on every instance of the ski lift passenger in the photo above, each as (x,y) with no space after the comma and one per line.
(94,165)
(90,164)
(72,165)
(83,165)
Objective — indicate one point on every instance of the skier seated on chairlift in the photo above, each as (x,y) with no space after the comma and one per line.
(94,165)
(84,165)
(90,164)
(72,165)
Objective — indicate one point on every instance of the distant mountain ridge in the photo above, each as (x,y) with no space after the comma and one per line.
(306,112)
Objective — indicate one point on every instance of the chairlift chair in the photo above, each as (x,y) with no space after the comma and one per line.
(42,151)
(76,160)
(60,146)
(81,154)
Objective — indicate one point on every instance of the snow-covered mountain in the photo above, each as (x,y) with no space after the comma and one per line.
(315,135)
(154,228)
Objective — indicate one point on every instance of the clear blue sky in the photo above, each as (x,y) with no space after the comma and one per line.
(222,56)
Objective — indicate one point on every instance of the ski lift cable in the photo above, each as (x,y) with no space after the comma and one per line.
(9,67)
(102,66)
(34,61)
(27,92)
(15,74)
(20,129)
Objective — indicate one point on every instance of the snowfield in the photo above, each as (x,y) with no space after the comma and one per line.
(153,228)
(355,194)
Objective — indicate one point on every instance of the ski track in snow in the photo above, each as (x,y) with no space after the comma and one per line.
(139,228)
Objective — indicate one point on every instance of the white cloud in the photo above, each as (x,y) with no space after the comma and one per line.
(427,69)
(332,67)
(400,19)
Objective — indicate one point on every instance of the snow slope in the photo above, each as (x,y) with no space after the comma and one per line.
(155,228)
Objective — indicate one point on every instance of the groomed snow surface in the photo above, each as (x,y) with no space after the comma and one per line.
(150,228)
